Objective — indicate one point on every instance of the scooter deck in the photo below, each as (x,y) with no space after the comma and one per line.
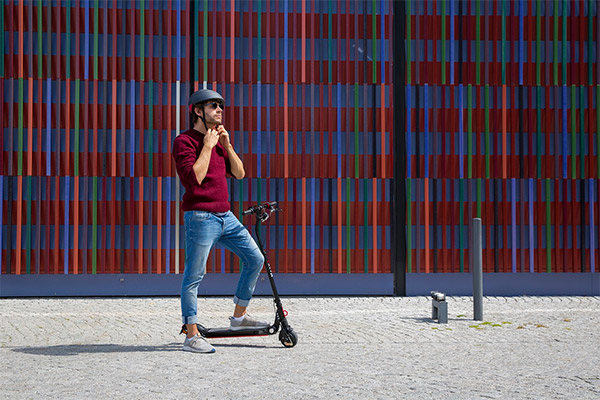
(227,332)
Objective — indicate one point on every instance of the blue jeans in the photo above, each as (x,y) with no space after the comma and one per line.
(202,231)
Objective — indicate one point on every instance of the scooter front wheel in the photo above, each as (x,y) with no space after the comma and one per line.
(288,338)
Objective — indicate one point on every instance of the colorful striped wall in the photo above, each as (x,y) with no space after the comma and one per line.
(94,92)
(502,124)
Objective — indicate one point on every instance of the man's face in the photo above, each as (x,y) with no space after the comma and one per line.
(213,112)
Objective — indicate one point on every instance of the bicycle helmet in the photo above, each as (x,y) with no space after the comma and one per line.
(202,96)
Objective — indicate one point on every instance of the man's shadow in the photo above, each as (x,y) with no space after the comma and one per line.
(76,349)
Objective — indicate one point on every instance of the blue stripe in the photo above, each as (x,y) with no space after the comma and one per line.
(168,227)
(564,135)
(222,260)
(258,131)
(339,130)
(179,40)
(132,132)
(521,12)
(513,209)
(531,239)
(592,228)
(67,198)
(268,144)
(408,132)
(426,129)
(49,128)
(312,225)
(460,132)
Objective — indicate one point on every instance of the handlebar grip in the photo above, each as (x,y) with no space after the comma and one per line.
(248,211)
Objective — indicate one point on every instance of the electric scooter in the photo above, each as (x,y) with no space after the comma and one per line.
(287,336)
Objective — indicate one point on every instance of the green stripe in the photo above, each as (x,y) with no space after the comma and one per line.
(142,41)
(548,230)
(408,224)
(581,133)
(538,45)
(259,190)
(443,42)
(206,41)
(68,41)
(76,161)
(49,36)
(2,41)
(40,32)
(96,41)
(348,242)
(356,151)
(28,231)
(20,130)
(469,133)
(478,43)
(503,42)
(461,208)
(374,40)
(487,131)
(408,44)
(539,132)
(151,127)
(95,222)
(573,135)
(555,52)
(329,50)
(259,39)
(478,197)
(366,227)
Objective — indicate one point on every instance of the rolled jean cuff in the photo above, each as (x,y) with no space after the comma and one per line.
(240,302)
(192,319)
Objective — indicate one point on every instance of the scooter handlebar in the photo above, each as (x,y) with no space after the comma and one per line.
(271,206)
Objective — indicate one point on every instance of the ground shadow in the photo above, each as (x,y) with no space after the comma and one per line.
(76,349)
(250,346)
(430,320)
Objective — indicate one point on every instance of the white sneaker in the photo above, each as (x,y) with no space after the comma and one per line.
(247,323)
(197,344)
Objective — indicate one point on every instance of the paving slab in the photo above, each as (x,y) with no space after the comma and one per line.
(349,348)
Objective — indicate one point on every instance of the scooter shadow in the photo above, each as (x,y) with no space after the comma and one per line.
(249,346)
(77,349)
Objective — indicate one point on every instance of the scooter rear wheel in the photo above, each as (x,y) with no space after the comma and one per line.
(288,338)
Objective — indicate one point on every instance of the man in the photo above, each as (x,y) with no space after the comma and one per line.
(204,157)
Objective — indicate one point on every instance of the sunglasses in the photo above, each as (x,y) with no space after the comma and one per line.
(215,104)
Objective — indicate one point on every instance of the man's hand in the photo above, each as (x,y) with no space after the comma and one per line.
(211,138)
(223,136)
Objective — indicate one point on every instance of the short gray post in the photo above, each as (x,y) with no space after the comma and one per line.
(477,270)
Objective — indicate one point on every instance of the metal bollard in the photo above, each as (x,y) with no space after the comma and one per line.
(439,307)
(477,272)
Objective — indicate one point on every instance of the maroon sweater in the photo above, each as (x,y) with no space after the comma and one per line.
(212,195)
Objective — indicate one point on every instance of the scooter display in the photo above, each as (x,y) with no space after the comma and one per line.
(287,336)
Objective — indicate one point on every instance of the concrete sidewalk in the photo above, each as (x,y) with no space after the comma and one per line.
(349,348)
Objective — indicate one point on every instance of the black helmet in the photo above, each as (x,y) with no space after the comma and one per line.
(203,95)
